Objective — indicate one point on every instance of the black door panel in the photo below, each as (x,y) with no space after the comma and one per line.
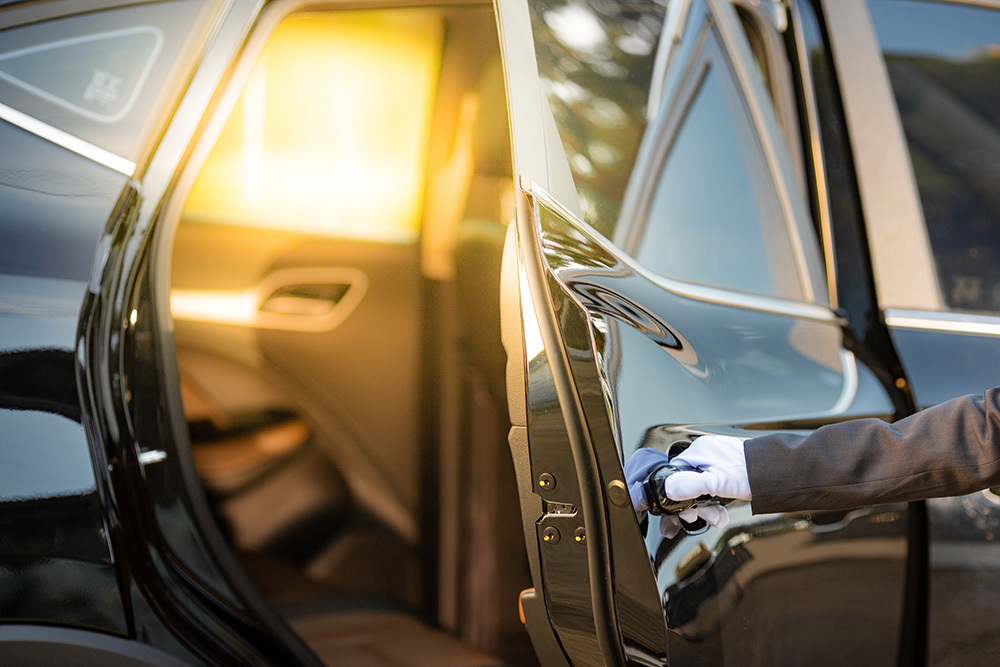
(632,355)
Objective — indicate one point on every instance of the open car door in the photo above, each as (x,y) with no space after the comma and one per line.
(701,309)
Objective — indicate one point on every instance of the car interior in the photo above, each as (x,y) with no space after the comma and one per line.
(334,294)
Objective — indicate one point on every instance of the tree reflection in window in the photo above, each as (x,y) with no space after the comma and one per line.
(595,60)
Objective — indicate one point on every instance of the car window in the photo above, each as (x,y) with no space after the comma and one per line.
(98,76)
(595,60)
(312,146)
(714,216)
(943,61)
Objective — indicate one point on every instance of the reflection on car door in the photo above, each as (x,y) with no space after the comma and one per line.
(706,313)
(941,96)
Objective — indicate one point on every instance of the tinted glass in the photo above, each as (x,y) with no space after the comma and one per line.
(98,76)
(595,60)
(944,65)
(714,217)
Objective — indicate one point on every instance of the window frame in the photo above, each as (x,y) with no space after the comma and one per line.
(944,261)
(906,278)
(678,68)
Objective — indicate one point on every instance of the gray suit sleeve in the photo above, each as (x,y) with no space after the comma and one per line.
(947,450)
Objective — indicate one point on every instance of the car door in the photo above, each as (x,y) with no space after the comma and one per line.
(935,102)
(701,308)
(86,94)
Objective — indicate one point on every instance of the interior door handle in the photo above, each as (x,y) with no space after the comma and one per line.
(306,300)
(302,299)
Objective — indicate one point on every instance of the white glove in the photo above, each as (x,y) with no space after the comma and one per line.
(715,465)
(638,467)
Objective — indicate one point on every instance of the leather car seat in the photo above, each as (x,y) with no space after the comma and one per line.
(383,638)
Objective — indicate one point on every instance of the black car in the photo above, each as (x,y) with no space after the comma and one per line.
(279,384)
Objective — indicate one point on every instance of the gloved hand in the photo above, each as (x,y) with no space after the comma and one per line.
(714,465)
(638,467)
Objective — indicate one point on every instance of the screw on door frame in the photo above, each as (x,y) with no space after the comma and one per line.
(546,481)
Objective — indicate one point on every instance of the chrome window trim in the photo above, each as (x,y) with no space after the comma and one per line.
(905,273)
(945,322)
(68,141)
(673,28)
(819,181)
(695,291)
(849,369)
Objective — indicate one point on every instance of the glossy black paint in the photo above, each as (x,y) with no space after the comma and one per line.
(55,205)
(118,550)
(90,535)
(866,333)
(57,564)
(961,573)
(641,356)
(34,645)
(179,598)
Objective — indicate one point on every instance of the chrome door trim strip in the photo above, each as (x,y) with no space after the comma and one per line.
(68,141)
(849,369)
(812,135)
(706,293)
(673,28)
(963,323)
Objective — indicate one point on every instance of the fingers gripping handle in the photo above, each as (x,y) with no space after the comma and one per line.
(660,503)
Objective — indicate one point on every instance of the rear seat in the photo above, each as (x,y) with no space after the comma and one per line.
(383,638)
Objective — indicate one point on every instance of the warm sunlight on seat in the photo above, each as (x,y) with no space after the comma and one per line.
(317,142)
